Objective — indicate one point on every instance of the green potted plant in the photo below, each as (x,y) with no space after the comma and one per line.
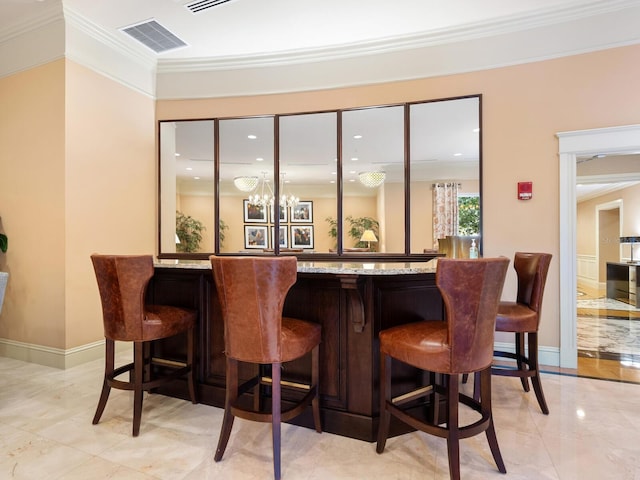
(189,231)
(357,226)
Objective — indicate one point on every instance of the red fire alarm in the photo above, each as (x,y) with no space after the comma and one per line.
(525,190)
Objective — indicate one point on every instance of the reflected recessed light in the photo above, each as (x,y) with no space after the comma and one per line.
(476,130)
(457,154)
(189,168)
(252,137)
(259,159)
(196,178)
(351,180)
(354,159)
(357,137)
(177,154)
(334,173)
(332,181)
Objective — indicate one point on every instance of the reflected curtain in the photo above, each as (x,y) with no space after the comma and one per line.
(445,210)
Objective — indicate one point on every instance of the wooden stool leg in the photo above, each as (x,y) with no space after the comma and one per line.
(230,397)
(535,380)
(486,409)
(520,353)
(385,396)
(315,381)
(191,360)
(453,437)
(108,374)
(276,426)
(138,373)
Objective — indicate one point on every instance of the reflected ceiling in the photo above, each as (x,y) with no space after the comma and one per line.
(447,147)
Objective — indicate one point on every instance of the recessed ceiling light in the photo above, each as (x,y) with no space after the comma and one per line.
(189,168)
(354,159)
(352,171)
(177,154)
(196,178)
(334,173)
(351,180)
(357,137)
(476,130)
(252,137)
(332,181)
(259,159)
(458,154)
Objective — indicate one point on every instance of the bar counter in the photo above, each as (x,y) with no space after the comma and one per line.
(352,302)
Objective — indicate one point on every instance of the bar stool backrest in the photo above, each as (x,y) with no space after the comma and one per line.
(122,282)
(252,291)
(471,290)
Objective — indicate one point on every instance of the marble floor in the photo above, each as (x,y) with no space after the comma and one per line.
(608,337)
(592,432)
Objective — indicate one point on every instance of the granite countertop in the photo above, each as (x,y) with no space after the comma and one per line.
(348,268)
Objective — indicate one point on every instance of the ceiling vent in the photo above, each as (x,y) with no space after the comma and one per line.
(201,5)
(154,36)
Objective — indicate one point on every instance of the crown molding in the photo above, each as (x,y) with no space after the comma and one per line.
(111,40)
(51,13)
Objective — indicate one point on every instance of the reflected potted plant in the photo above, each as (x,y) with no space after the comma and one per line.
(4,276)
(357,226)
(189,231)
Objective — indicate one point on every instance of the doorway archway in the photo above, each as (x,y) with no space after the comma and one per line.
(622,139)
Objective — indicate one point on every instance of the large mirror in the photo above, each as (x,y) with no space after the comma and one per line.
(366,180)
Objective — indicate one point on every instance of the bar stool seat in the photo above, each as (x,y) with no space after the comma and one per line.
(462,344)
(252,291)
(122,282)
(522,318)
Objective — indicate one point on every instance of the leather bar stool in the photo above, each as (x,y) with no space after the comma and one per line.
(471,290)
(522,317)
(122,281)
(252,292)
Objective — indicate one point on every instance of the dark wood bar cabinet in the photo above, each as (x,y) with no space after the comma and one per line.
(352,302)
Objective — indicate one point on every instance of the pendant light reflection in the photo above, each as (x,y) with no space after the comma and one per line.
(245,184)
(372,179)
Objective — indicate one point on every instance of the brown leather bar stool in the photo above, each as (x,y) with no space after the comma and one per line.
(522,317)
(252,292)
(471,290)
(122,281)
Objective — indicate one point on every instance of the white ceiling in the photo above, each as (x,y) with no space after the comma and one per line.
(240,28)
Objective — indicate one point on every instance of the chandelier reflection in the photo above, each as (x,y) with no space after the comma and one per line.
(372,179)
(287,200)
(265,198)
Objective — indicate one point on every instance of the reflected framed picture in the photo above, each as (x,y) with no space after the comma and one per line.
(283,237)
(302,212)
(283,214)
(302,236)
(255,236)
(254,213)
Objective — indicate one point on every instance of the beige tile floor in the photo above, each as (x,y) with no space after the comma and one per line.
(592,432)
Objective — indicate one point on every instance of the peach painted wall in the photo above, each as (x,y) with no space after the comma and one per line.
(32,204)
(524,106)
(110,176)
(78,176)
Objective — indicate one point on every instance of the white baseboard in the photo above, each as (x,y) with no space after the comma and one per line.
(63,359)
(56,357)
